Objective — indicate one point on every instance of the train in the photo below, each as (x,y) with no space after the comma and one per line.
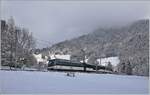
(63,64)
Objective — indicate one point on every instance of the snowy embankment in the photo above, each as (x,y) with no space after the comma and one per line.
(55,82)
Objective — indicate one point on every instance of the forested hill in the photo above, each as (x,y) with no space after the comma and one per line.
(130,43)
(108,42)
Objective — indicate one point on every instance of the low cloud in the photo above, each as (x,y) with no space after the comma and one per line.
(57,21)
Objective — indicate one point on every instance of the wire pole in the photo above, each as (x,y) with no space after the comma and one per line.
(83,51)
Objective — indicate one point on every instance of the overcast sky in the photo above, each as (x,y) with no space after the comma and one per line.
(58,21)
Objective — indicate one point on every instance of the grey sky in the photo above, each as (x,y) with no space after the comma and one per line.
(57,21)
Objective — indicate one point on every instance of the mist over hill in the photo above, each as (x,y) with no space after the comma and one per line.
(130,43)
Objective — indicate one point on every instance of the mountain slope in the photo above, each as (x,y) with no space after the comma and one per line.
(130,43)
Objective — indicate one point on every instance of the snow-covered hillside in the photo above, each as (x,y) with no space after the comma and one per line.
(54,82)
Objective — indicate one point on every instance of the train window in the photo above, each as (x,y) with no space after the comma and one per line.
(50,62)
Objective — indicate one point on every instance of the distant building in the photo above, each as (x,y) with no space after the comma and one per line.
(40,59)
(113,60)
(52,56)
(60,56)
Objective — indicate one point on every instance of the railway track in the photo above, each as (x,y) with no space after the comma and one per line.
(76,70)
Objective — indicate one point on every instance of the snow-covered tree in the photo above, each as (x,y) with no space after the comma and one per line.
(17,43)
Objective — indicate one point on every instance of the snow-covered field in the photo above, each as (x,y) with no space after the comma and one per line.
(55,82)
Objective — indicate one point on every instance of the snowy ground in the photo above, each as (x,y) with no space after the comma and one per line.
(54,82)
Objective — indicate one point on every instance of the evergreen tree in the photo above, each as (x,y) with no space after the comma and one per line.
(128,68)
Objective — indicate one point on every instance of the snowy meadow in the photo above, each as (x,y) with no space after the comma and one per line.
(25,82)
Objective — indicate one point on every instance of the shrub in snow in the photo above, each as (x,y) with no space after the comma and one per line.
(71,74)
(109,66)
(141,69)
(128,68)
(125,68)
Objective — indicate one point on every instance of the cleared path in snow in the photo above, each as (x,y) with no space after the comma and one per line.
(54,82)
